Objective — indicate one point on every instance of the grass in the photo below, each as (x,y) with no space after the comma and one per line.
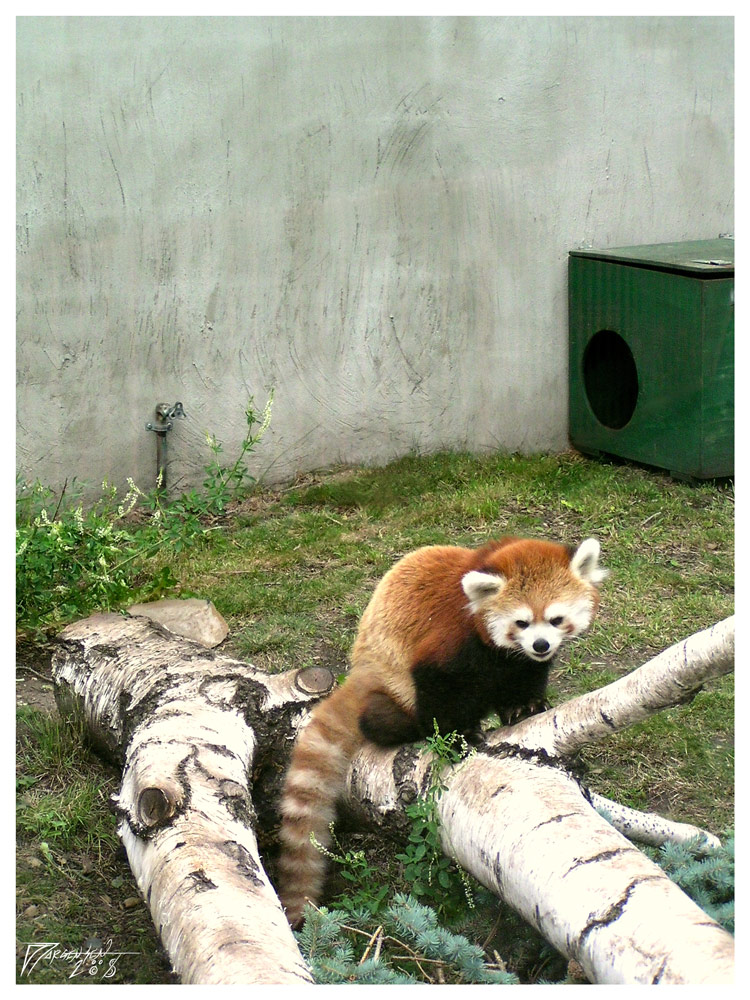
(292,570)
(667,544)
(301,564)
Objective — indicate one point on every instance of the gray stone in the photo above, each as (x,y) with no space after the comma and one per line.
(190,617)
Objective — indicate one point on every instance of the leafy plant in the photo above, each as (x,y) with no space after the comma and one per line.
(409,926)
(432,876)
(224,483)
(365,894)
(72,559)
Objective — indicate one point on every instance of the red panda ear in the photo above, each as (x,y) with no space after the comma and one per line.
(585,562)
(479,586)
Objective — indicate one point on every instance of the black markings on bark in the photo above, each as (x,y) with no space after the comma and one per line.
(246,697)
(602,856)
(201,881)
(614,912)
(243,859)
(659,973)
(105,650)
(404,763)
(497,871)
(236,801)
(131,714)
(554,819)
(535,756)
(607,720)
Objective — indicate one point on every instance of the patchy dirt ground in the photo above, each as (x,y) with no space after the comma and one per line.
(35,692)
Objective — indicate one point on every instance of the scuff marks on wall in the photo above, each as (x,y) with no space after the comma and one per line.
(371,215)
(112,161)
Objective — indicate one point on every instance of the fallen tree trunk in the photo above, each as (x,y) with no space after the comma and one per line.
(190,725)
(524,829)
(186,725)
(673,677)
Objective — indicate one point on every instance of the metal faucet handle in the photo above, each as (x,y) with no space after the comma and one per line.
(165,414)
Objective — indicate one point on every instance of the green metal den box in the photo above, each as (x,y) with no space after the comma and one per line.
(652,355)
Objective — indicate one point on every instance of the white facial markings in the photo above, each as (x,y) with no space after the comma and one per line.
(539,638)
(576,615)
(505,629)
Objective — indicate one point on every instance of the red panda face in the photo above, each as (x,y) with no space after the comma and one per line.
(533,595)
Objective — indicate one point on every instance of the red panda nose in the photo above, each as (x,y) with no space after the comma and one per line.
(540,646)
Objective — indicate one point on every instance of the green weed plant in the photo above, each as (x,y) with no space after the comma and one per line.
(434,878)
(72,558)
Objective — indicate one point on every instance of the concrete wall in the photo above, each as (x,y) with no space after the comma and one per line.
(371,215)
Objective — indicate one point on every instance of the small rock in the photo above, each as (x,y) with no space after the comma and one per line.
(131,902)
(32,911)
(190,617)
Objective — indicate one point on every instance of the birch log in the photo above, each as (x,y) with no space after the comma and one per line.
(190,725)
(186,724)
(523,826)
(525,830)
(671,678)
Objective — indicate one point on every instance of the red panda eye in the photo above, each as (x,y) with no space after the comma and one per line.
(558,620)
(522,624)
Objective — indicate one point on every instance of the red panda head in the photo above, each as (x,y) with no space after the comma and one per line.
(531,595)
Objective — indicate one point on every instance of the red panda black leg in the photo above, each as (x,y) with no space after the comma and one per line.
(386,723)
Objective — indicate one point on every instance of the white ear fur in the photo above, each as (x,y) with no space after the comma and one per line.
(478,586)
(585,562)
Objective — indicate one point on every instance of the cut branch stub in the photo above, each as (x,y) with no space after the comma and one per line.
(314,680)
(155,806)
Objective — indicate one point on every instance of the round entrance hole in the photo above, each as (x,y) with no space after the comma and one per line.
(610,379)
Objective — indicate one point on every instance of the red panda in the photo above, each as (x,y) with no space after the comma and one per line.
(450,634)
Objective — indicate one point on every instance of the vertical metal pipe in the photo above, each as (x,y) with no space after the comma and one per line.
(164,414)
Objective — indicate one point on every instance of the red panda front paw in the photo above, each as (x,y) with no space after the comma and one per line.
(509,716)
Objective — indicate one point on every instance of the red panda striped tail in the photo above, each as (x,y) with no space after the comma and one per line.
(314,782)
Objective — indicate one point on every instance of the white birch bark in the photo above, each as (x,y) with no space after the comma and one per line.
(650,828)
(671,678)
(526,832)
(175,714)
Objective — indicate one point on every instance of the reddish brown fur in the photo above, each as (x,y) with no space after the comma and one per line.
(418,614)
